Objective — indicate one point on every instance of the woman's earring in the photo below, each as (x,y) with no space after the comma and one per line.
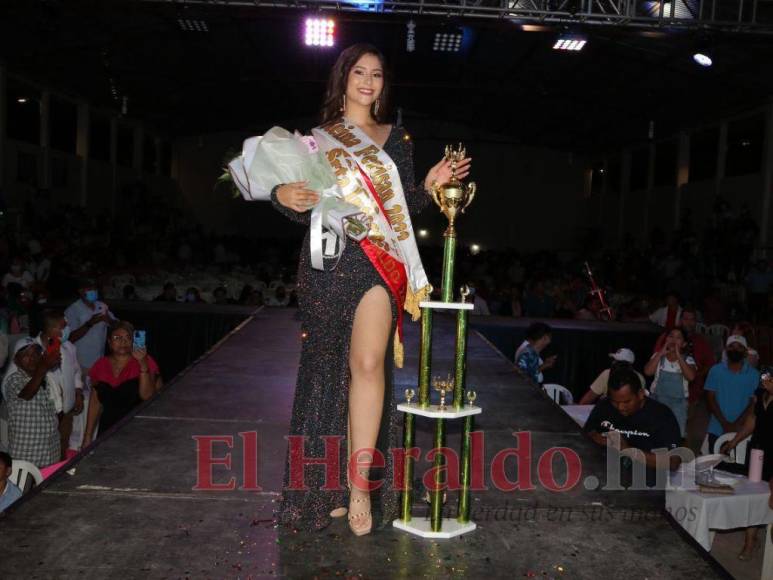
(343,106)
(375,108)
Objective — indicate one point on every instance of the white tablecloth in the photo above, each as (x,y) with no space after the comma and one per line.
(701,514)
(579,413)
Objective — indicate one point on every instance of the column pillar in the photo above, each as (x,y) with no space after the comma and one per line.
(82,149)
(682,173)
(45,140)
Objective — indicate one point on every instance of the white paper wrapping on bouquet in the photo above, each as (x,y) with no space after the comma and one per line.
(277,157)
(283,157)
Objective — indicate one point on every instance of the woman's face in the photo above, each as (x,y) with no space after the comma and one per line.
(675,338)
(120,342)
(366,81)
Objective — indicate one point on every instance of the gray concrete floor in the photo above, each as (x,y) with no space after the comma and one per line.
(130,510)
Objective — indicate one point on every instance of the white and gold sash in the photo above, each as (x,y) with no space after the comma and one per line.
(349,150)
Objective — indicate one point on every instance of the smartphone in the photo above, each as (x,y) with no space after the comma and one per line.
(54,345)
(139,339)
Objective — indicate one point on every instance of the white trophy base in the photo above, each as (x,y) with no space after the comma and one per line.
(447,305)
(422,527)
(435,412)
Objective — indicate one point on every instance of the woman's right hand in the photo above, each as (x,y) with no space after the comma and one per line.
(296,196)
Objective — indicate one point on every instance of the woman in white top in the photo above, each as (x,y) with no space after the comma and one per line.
(673,370)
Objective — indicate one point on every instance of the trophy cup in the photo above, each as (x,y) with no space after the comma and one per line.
(409,395)
(442,387)
(452,198)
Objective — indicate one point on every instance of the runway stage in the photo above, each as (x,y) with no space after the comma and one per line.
(130,510)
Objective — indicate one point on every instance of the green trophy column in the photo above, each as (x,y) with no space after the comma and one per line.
(449,253)
(409,429)
(460,368)
(436,495)
(425,356)
(463,507)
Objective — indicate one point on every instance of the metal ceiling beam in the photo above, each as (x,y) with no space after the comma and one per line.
(736,16)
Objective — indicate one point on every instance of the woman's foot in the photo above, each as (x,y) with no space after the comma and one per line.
(749,550)
(360,519)
(339,512)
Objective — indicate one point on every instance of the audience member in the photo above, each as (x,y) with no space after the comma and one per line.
(623,358)
(759,425)
(537,303)
(66,377)
(169,293)
(129,293)
(192,295)
(641,422)
(18,274)
(670,315)
(33,428)
(119,381)
(730,386)
(89,317)
(9,491)
(673,369)
(527,357)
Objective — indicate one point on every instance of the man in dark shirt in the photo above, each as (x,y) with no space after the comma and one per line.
(642,423)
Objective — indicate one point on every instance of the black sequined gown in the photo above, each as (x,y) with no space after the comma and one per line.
(327,302)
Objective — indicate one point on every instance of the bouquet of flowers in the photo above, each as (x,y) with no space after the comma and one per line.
(277,157)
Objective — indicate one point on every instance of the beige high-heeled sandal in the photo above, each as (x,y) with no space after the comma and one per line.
(360,522)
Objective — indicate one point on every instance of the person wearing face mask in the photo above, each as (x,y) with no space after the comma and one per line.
(730,386)
(18,274)
(55,333)
(89,319)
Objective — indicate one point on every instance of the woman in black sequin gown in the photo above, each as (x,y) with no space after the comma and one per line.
(348,314)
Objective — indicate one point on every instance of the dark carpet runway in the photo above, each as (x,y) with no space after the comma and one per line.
(131,510)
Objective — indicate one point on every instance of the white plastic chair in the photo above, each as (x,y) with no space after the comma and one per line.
(719,330)
(561,395)
(22,471)
(701,328)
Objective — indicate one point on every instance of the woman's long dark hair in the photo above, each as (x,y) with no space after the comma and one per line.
(339,76)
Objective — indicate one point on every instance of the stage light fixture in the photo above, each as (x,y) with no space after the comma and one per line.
(448,40)
(410,40)
(319,32)
(703,59)
(192,25)
(423,233)
(21,100)
(570,43)
(475,249)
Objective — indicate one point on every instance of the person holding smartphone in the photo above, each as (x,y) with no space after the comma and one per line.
(120,381)
(89,318)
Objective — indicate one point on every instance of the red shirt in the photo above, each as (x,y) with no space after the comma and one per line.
(102,371)
(704,358)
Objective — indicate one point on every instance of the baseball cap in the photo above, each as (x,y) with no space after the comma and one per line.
(737,338)
(623,354)
(23,343)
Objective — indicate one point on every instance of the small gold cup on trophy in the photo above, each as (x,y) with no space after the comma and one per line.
(453,197)
(464,291)
(471,396)
(409,395)
(443,386)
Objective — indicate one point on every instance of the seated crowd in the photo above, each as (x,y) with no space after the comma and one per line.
(688,399)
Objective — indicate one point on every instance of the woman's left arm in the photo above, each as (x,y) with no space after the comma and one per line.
(147,377)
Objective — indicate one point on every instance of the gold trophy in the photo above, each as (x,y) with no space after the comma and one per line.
(443,386)
(471,396)
(409,395)
(453,197)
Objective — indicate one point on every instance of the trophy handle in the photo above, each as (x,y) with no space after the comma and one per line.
(435,194)
(471,188)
